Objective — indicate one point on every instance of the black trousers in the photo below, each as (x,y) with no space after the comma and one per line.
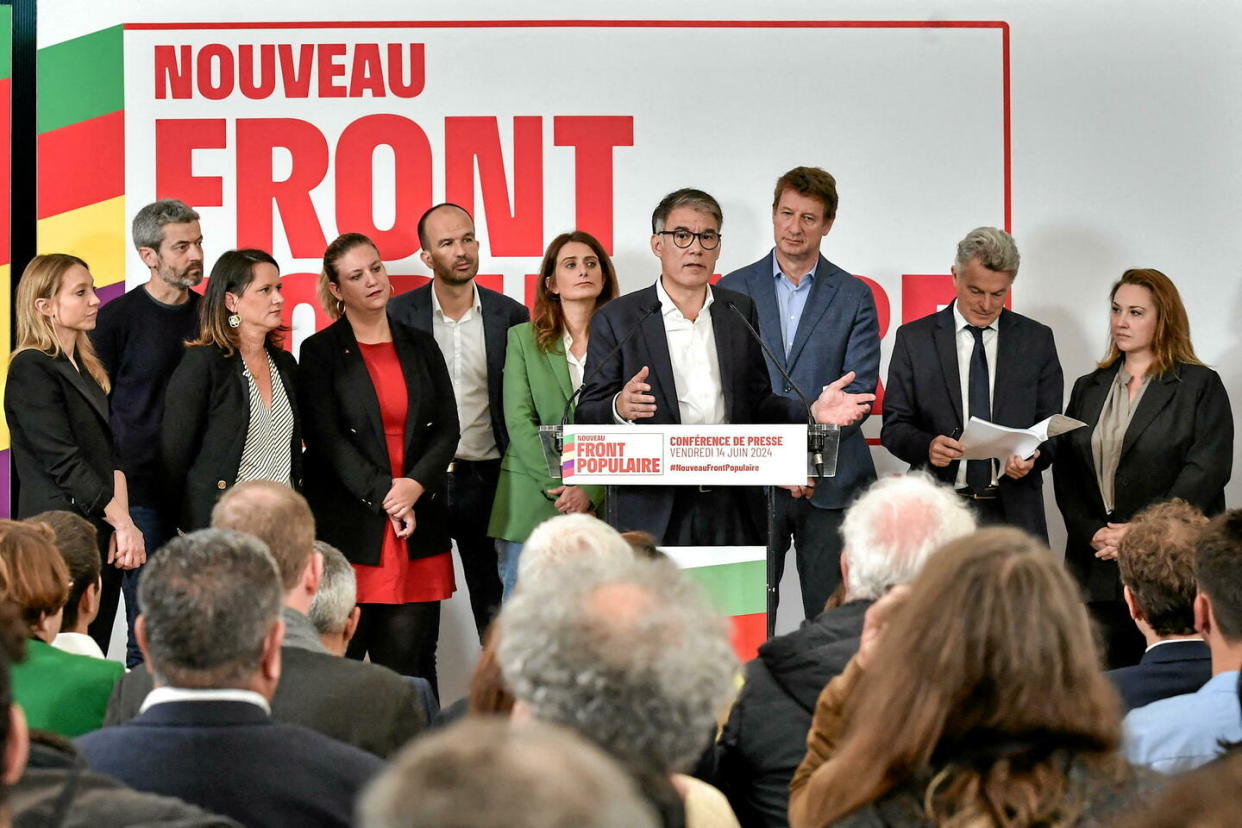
(402,637)
(817,542)
(471,489)
(723,516)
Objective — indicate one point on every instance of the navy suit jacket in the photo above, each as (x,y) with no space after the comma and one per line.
(923,399)
(838,332)
(1171,669)
(500,313)
(229,757)
(748,395)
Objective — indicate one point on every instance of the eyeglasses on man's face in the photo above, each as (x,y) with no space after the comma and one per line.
(709,239)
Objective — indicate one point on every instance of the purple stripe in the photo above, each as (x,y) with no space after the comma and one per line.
(4,484)
(107,294)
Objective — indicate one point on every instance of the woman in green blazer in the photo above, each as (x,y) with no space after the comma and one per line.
(543,367)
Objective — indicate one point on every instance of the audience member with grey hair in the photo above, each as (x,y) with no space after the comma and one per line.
(630,656)
(360,704)
(976,359)
(481,773)
(890,532)
(567,539)
(140,338)
(334,611)
(211,633)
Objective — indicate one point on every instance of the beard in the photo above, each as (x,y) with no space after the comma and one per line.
(187,278)
(452,276)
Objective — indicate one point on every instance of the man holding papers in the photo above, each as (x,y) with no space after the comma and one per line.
(975,358)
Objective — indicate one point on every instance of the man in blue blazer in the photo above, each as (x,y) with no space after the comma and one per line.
(211,631)
(820,322)
(471,325)
(976,358)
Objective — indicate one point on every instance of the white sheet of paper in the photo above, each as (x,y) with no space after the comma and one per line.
(984,440)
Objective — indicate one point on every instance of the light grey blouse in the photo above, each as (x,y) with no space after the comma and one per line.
(1110,431)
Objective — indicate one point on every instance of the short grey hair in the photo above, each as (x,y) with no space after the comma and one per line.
(630,656)
(209,599)
(483,772)
(148,227)
(568,538)
(338,591)
(894,527)
(994,248)
(686,197)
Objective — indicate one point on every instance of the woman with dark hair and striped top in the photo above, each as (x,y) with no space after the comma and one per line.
(381,429)
(230,412)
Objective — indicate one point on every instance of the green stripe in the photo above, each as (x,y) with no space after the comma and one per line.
(6,41)
(734,589)
(81,79)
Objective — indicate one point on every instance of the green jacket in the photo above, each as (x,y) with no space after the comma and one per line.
(62,692)
(535,390)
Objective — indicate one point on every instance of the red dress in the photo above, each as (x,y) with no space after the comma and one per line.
(397,579)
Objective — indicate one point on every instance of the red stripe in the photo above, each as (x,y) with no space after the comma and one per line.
(6,90)
(749,631)
(81,164)
(583,24)
(1008,160)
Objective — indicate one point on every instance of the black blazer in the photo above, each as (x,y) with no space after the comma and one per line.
(1170,669)
(232,759)
(206,417)
(1179,444)
(348,470)
(748,394)
(500,313)
(923,399)
(62,446)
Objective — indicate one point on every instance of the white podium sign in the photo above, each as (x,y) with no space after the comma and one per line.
(683,455)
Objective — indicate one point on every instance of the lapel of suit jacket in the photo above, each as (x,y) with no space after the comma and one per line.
(558,364)
(422,310)
(1008,349)
(355,376)
(1160,392)
(495,338)
(723,323)
(86,386)
(825,286)
(1092,404)
(945,337)
(655,338)
(762,290)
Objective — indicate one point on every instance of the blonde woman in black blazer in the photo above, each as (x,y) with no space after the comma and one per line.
(56,404)
(1179,443)
(210,439)
(381,430)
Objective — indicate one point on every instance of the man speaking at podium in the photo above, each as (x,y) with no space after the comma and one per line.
(678,352)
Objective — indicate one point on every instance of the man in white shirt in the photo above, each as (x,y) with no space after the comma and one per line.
(692,361)
(470,324)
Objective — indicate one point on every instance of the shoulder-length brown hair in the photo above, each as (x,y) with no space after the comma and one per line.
(992,648)
(341,245)
(33,575)
(1171,341)
(549,319)
(35,331)
(232,273)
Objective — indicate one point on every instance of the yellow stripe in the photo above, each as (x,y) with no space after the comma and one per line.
(94,233)
(5,338)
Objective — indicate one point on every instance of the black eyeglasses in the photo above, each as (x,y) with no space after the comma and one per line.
(709,239)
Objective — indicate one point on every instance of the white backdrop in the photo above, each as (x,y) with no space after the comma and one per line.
(1124,124)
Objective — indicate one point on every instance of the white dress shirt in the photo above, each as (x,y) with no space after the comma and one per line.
(78,644)
(465,353)
(576,365)
(696,367)
(164,695)
(966,348)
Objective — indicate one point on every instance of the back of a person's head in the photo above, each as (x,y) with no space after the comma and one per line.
(78,542)
(567,539)
(1218,571)
(13,632)
(1156,558)
(643,544)
(630,655)
(209,599)
(990,673)
(1207,797)
(894,526)
(276,515)
(338,591)
(33,575)
(486,772)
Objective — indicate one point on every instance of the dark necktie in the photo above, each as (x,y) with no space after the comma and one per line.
(979,472)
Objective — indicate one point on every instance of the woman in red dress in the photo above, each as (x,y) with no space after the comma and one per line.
(380,426)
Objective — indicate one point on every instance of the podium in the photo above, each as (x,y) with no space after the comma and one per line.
(694,455)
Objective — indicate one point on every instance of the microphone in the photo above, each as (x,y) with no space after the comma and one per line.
(569,404)
(815,434)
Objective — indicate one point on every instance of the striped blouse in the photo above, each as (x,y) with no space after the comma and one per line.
(266,455)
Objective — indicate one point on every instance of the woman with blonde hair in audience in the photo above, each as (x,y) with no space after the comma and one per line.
(60,692)
(977,700)
(56,406)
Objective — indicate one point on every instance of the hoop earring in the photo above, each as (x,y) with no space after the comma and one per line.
(340,307)
(234,320)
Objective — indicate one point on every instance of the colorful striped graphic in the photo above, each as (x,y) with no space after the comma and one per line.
(6,155)
(568,455)
(735,579)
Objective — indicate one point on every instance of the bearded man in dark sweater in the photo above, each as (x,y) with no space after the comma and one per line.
(140,336)
(889,533)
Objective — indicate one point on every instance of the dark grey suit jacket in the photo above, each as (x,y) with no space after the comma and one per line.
(500,313)
(1170,669)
